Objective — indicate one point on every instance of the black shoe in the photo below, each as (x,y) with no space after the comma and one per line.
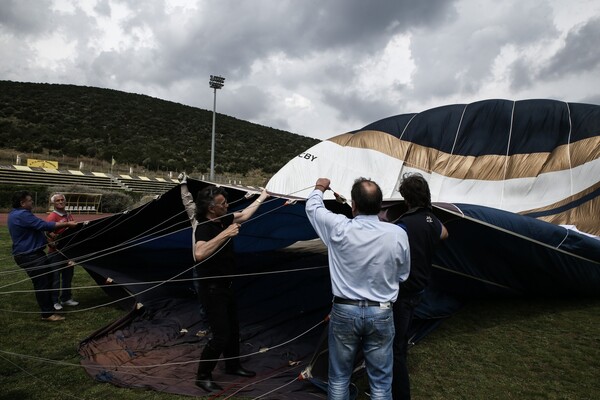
(239,371)
(209,385)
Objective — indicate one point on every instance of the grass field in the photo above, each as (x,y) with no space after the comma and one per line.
(497,349)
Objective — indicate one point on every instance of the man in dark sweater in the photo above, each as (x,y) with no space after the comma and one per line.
(214,229)
(27,234)
(425,231)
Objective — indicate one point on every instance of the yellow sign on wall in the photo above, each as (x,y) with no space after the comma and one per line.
(42,163)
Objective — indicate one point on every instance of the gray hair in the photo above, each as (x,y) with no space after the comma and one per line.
(55,195)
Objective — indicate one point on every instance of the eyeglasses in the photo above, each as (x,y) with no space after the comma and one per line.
(221,203)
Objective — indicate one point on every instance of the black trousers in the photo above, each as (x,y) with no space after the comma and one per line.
(404,310)
(62,277)
(221,310)
(35,264)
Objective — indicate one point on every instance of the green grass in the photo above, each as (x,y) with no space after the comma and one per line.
(497,349)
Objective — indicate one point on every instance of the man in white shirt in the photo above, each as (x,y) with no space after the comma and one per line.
(367,260)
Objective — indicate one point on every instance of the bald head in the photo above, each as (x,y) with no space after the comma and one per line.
(366,196)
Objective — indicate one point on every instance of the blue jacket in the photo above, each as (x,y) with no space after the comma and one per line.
(26,231)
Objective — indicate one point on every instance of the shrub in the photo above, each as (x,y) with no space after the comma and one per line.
(115,202)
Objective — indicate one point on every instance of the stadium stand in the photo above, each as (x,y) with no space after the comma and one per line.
(21,175)
(146,185)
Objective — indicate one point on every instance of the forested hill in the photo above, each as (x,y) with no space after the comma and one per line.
(102,123)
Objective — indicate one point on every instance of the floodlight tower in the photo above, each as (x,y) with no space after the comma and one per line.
(216,82)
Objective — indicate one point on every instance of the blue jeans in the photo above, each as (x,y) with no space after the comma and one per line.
(370,328)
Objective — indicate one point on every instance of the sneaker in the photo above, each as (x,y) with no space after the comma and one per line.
(70,302)
(53,318)
(57,306)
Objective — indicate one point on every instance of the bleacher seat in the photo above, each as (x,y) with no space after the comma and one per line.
(95,180)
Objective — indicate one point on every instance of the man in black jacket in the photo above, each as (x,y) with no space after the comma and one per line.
(425,231)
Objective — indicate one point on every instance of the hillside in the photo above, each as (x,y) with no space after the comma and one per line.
(77,121)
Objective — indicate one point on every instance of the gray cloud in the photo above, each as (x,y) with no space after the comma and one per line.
(595,99)
(357,109)
(20,18)
(311,67)
(520,75)
(579,53)
(459,56)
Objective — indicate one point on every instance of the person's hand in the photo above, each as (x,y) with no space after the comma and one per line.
(232,230)
(322,184)
(182,178)
(71,224)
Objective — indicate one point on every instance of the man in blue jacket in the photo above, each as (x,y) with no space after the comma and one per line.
(27,234)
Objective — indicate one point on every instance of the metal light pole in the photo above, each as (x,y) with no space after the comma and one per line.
(216,82)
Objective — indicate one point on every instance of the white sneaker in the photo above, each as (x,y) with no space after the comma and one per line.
(57,306)
(70,302)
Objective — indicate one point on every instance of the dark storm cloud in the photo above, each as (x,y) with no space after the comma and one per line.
(358,109)
(595,99)
(231,35)
(227,37)
(579,54)
(20,18)
(520,75)
(459,58)
(310,65)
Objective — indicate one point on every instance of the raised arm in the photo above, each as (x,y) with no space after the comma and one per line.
(246,213)
(188,201)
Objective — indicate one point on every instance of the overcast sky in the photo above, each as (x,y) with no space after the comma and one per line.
(313,67)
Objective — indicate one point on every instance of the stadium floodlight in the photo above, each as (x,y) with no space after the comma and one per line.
(215,82)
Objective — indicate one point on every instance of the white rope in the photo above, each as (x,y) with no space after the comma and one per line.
(512,120)
(569,148)
(142,367)
(45,384)
(286,271)
(104,369)
(131,295)
(444,174)
(262,381)
(264,350)
(274,390)
(406,126)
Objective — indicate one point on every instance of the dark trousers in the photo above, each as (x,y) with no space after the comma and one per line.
(221,310)
(35,264)
(62,277)
(404,309)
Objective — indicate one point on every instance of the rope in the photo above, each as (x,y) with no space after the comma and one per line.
(158,283)
(141,367)
(569,148)
(512,120)
(45,384)
(172,279)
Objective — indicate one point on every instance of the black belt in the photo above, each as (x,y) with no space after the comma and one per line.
(31,253)
(364,303)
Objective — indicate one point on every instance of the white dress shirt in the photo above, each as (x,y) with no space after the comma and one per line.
(367,257)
